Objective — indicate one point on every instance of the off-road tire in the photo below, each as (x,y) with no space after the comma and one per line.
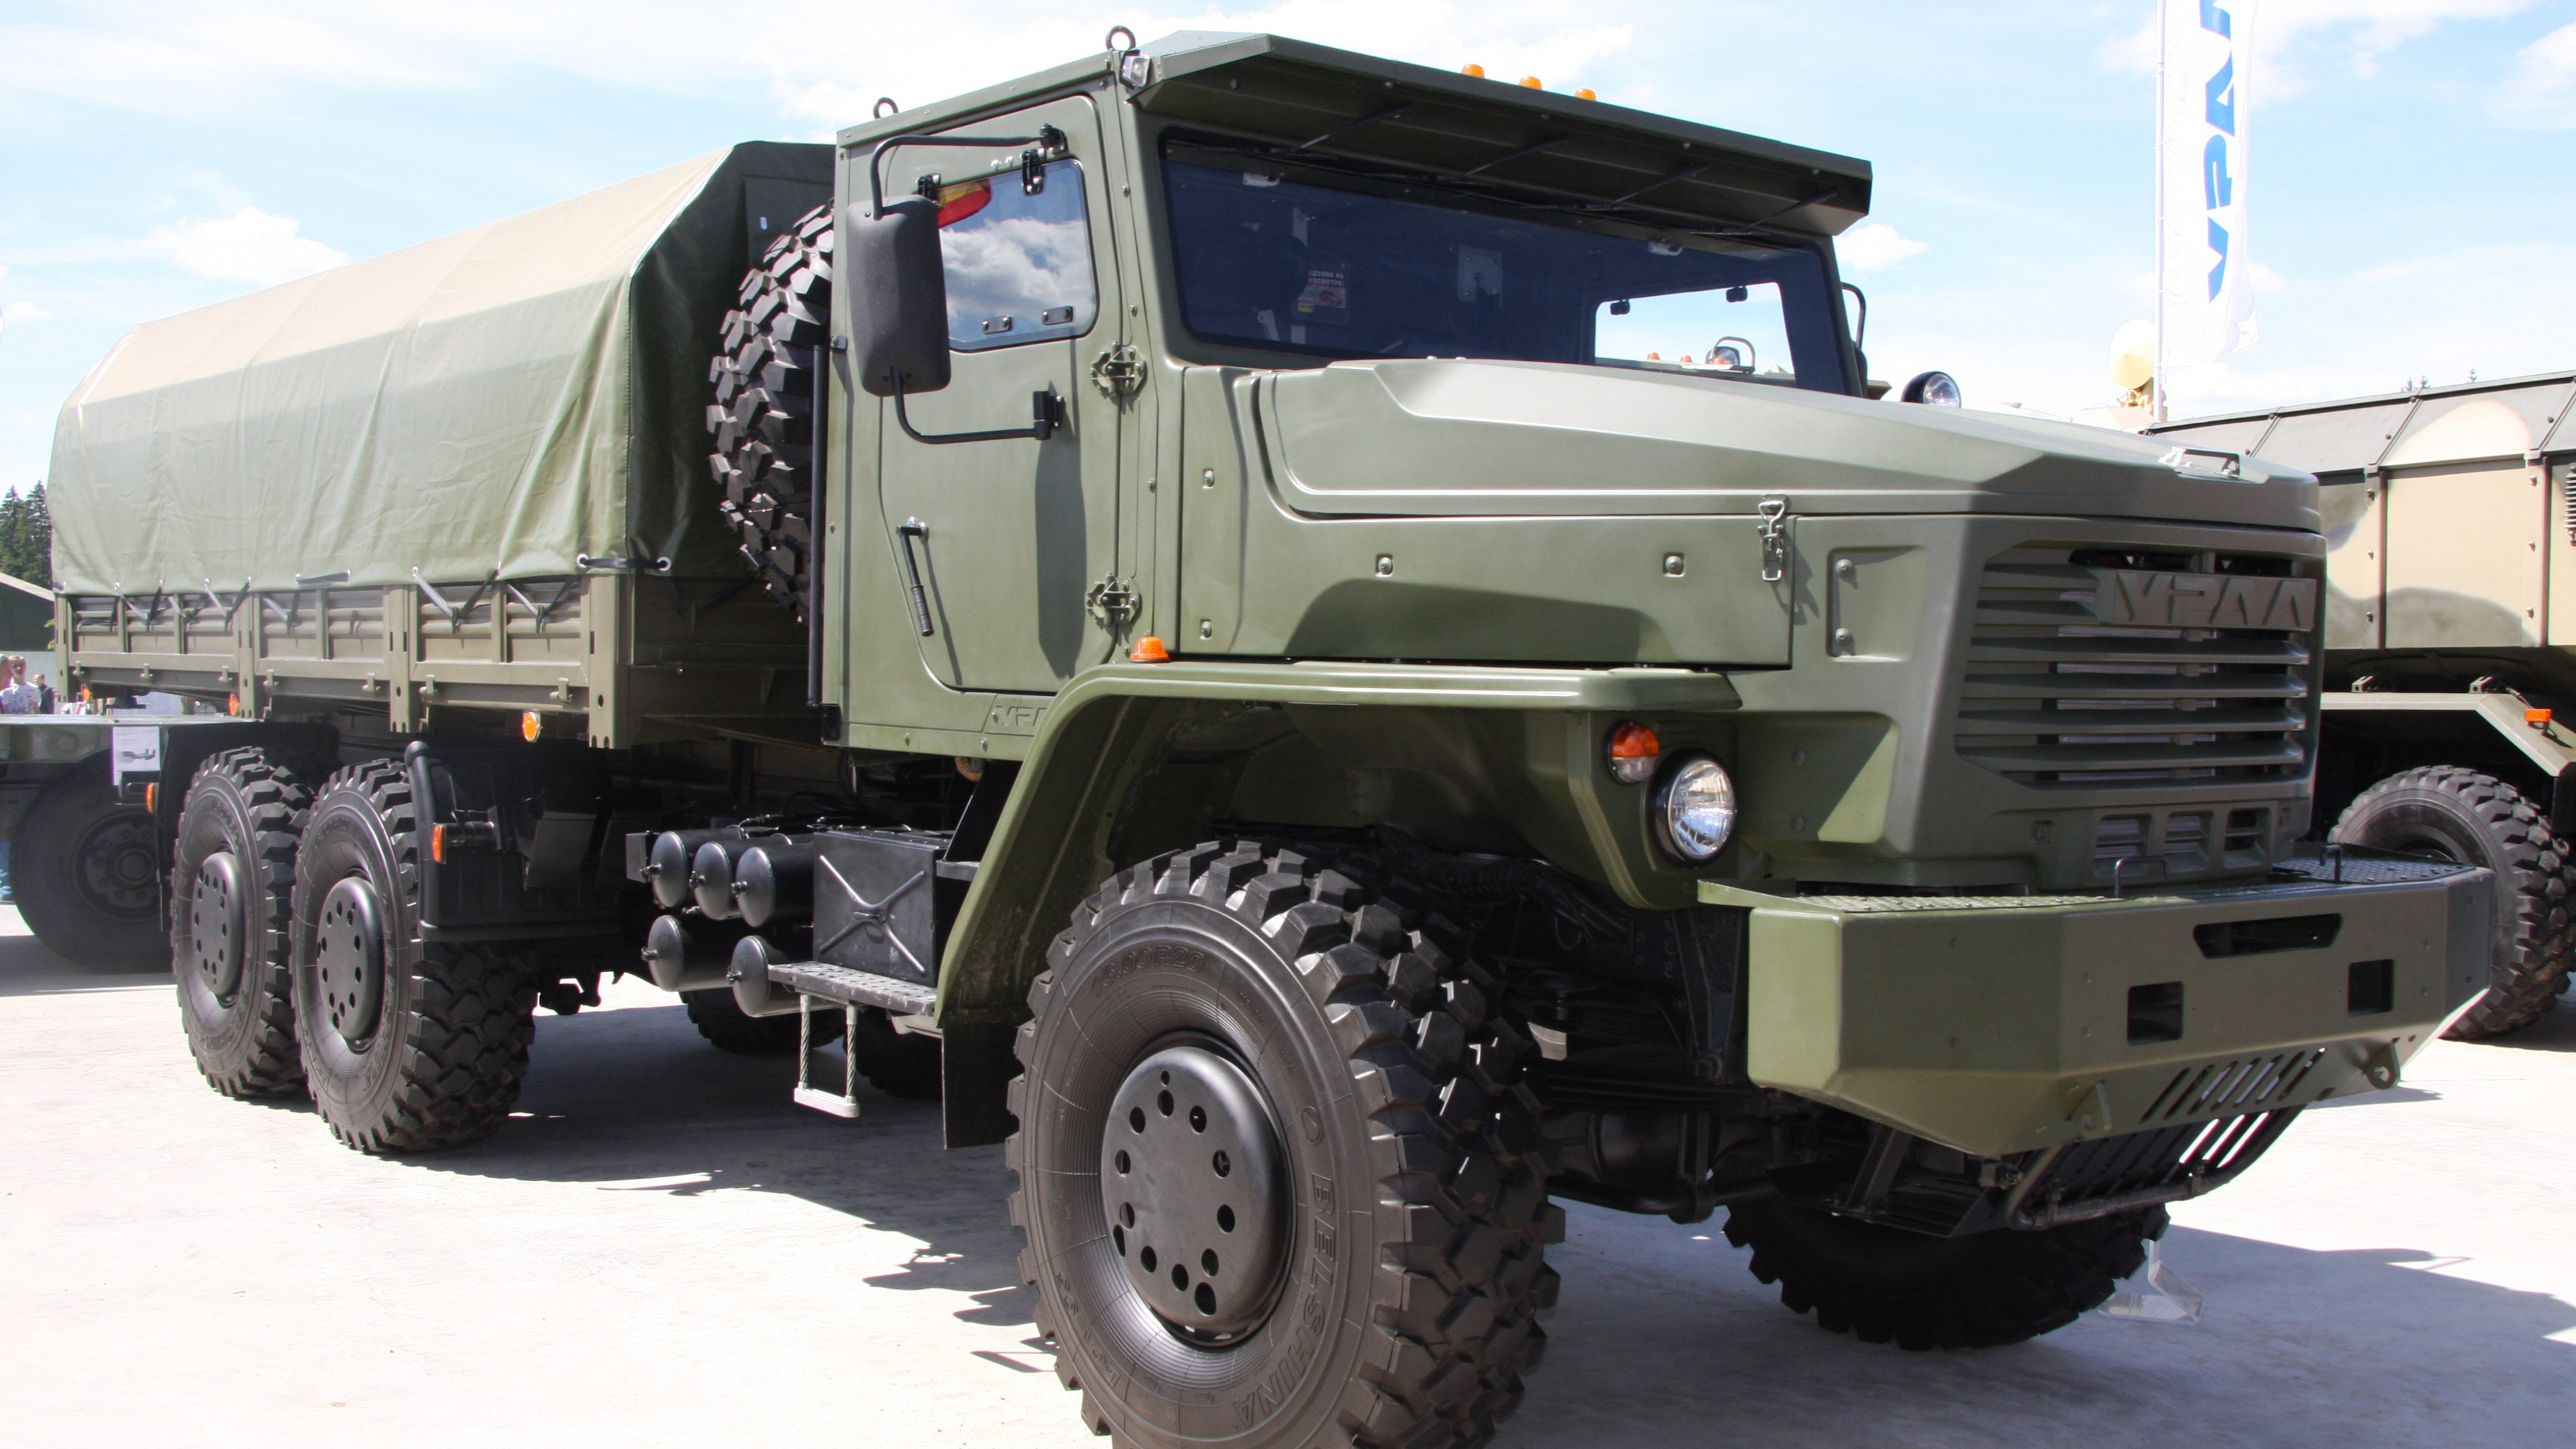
(725,1026)
(1888,1285)
(439,1064)
(763,413)
(2480,820)
(85,872)
(1416,1207)
(232,886)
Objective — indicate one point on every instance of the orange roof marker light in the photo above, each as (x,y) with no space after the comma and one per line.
(1532,82)
(2540,717)
(1475,70)
(1150,650)
(1634,752)
(1586,93)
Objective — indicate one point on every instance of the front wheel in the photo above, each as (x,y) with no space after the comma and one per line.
(1273,1166)
(2478,819)
(1885,1284)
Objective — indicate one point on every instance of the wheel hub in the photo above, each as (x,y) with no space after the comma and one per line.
(117,866)
(216,930)
(1194,1184)
(349,959)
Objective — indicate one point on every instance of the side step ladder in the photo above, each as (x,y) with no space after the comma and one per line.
(817,981)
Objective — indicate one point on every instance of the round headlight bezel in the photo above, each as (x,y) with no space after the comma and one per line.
(1693,848)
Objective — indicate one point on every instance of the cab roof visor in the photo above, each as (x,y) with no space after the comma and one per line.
(1313,105)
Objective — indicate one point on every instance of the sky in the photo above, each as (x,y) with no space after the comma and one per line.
(2409,206)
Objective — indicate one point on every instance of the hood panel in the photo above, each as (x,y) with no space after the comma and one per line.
(1432,437)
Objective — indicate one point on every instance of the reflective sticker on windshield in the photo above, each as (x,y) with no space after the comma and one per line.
(1327,290)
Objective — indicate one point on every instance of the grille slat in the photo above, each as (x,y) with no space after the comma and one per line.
(2129,721)
(2056,694)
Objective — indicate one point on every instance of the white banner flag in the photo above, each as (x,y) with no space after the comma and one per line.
(2207,302)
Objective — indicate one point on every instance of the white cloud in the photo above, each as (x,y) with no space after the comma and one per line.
(248,246)
(2541,91)
(1873,245)
(822,60)
(2360,30)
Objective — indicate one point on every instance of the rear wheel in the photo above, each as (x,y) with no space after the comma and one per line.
(232,884)
(86,873)
(763,413)
(1274,1171)
(408,1046)
(2478,819)
(1887,1285)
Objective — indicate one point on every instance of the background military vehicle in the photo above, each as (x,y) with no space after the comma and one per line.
(1255,688)
(2451,606)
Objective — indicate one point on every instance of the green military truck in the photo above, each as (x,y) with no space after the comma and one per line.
(1188,619)
(2450,520)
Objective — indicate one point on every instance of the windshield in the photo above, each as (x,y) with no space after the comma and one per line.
(1301,259)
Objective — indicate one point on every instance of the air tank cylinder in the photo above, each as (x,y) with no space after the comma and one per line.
(774,883)
(666,865)
(711,875)
(685,955)
(749,971)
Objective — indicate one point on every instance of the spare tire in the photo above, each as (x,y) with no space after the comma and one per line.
(765,461)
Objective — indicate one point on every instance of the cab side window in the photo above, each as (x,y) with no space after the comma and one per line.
(1018,260)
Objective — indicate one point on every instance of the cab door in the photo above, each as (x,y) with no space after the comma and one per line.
(1007,538)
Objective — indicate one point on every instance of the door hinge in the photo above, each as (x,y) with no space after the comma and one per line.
(1119,372)
(1774,525)
(1112,601)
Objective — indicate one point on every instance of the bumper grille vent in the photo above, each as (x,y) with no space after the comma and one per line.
(2102,667)
(2137,1169)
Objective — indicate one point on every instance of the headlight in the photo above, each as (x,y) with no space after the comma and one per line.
(1695,809)
(1939,389)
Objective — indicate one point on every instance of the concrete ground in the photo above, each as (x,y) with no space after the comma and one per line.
(660,1250)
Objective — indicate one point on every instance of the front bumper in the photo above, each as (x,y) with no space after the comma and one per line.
(2001,1025)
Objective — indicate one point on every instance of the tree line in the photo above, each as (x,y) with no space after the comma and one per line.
(27,536)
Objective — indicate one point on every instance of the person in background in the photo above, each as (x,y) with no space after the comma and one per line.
(46,702)
(17,696)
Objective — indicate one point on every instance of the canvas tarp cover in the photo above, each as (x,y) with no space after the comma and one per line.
(501,401)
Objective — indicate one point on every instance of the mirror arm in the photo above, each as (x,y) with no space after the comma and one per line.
(1046,415)
(1048,140)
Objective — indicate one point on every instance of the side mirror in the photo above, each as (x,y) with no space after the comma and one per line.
(898,290)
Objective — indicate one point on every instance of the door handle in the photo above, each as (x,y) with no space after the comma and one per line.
(914,528)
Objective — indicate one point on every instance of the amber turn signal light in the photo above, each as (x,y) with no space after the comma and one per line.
(531,725)
(152,798)
(1150,650)
(1634,752)
(438,843)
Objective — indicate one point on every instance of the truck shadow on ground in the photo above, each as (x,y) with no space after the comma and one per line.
(27,968)
(635,1098)
(1664,1342)
(1663,1332)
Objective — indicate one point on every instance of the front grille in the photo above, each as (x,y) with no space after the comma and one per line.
(2137,1169)
(2083,671)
